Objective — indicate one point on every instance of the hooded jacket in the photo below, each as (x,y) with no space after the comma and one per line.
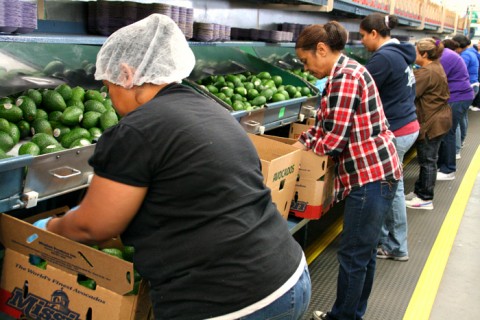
(391,68)
(472,61)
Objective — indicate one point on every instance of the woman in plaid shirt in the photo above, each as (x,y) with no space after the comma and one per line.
(351,128)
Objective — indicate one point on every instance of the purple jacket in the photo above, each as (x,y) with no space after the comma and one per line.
(457,76)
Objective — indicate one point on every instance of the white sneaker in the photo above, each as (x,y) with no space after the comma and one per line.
(445,176)
(474,108)
(319,315)
(417,203)
(410,196)
(458,156)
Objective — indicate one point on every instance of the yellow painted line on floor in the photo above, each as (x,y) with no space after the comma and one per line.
(411,154)
(316,248)
(423,297)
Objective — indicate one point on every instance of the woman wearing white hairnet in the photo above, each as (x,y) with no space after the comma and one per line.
(179,179)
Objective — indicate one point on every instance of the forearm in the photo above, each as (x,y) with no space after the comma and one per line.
(69,226)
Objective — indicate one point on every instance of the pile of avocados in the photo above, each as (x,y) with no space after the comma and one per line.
(250,91)
(50,120)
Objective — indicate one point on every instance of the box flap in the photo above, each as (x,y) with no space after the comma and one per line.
(312,165)
(108,271)
(279,161)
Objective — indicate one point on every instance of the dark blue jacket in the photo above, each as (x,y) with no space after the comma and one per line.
(391,68)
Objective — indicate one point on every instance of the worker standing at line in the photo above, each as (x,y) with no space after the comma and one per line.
(350,126)
(461,96)
(476,102)
(180,181)
(471,61)
(435,116)
(391,68)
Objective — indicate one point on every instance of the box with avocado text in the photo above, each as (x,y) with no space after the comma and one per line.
(280,165)
(46,276)
(314,185)
(313,198)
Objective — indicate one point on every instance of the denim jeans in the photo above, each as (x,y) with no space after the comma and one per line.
(291,306)
(364,215)
(462,127)
(476,101)
(427,154)
(394,232)
(446,155)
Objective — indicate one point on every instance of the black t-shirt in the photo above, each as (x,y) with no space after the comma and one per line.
(207,236)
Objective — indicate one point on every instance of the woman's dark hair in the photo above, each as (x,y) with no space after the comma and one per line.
(462,40)
(450,44)
(433,48)
(379,22)
(333,34)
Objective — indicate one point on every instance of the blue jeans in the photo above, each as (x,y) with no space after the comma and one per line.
(291,306)
(462,127)
(476,101)
(427,155)
(364,215)
(394,232)
(446,155)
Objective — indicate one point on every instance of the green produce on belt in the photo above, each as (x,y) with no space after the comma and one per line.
(44,139)
(70,117)
(41,126)
(29,148)
(28,107)
(6,142)
(65,91)
(248,91)
(53,101)
(24,128)
(81,142)
(51,148)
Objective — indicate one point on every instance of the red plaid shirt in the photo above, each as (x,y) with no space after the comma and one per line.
(351,127)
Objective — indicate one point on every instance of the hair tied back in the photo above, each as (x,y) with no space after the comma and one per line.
(387,21)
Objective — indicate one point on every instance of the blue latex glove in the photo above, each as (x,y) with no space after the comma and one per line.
(42,223)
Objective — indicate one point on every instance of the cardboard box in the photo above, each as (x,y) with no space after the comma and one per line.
(296,129)
(313,198)
(280,165)
(314,187)
(312,166)
(28,291)
(310,122)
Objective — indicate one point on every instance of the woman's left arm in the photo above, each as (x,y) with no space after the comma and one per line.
(104,213)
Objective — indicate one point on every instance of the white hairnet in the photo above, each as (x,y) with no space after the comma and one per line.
(154,48)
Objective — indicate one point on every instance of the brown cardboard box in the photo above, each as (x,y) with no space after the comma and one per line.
(296,129)
(314,188)
(313,198)
(280,165)
(310,122)
(27,290)
(312,166)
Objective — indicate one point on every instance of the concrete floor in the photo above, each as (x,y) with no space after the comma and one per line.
(458,295)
